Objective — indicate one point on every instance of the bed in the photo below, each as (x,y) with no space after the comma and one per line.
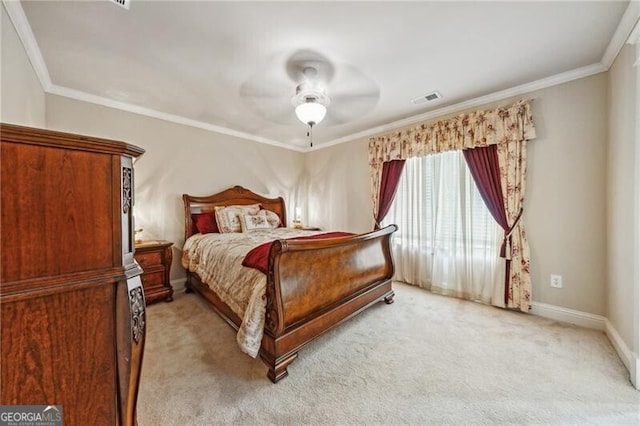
(310,285)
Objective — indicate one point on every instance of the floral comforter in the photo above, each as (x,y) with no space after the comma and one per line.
(217,259)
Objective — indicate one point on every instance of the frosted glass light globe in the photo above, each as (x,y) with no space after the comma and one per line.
(311,112)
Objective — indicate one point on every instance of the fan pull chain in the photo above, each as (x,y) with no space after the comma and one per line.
(310,134)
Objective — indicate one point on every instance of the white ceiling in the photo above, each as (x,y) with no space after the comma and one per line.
(223,65)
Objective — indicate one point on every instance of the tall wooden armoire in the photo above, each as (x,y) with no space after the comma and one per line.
(72,306)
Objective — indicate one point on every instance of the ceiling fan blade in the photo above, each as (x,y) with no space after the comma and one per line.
(302,59)
(252,92)
(349,81)
(280,117)
(352,108)
(268,95)
(352,94)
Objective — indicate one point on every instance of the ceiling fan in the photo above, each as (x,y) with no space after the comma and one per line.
(310,100)
(307,85)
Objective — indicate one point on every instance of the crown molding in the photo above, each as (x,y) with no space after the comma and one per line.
(472,103)
(21,24)
(99,100)
(621,35)
(634,37)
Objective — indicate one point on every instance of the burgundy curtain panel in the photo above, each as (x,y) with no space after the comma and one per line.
(485,169)
(391,172)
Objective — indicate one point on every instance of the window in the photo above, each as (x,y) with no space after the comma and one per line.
(447,240)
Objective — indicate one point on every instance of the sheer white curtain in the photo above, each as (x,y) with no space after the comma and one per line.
(447,241)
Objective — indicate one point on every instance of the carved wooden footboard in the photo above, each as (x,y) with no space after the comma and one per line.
(312,285)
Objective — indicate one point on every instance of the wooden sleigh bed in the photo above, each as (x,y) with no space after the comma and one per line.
(312,285)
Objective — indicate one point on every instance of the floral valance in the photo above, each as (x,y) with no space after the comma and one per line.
(469,130)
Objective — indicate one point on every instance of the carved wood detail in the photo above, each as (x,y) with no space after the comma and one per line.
(136,299)
(127,190)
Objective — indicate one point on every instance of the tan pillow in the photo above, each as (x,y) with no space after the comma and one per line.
(251,222)
(228,217)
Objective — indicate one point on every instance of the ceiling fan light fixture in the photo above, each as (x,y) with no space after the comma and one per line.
(311,112)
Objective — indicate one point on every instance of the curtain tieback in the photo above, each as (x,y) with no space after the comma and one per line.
(505,249)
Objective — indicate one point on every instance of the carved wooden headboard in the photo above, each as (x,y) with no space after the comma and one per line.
(232,196)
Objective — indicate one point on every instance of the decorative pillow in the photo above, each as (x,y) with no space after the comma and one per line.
(250,222)
(272,218)
(227,217)
(205,223)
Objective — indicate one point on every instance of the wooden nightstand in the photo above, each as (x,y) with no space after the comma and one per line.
(155,259)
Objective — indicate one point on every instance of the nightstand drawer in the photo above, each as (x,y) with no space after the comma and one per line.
(147,260)
(153,279)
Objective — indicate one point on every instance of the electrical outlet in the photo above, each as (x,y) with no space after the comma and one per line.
(556,281)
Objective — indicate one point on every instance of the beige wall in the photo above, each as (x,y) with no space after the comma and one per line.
(21,93)
(337,182)
(564,208)
(180,159)
(621,258)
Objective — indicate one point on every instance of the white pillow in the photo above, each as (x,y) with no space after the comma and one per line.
(228,216)
(250,222)
(272,218)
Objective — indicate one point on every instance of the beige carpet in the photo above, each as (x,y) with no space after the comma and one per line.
(425,359)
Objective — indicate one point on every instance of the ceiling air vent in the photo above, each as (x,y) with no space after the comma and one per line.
(427,98)
(122,3)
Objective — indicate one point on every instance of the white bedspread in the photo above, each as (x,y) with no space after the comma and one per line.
(217,259)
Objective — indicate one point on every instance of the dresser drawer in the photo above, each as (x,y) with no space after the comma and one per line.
(147,260)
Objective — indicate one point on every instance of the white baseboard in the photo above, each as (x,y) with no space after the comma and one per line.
(620,346)
(630,359)
(583,319)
